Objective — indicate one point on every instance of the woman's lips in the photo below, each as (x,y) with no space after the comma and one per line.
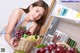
(34,18)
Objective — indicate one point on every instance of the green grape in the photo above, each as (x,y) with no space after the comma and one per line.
(25,35)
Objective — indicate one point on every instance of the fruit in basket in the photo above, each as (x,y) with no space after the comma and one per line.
(31,38)
(24,35)
(19,32)
(19,51)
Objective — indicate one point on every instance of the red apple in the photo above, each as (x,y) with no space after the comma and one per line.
(38,51)
(60,49)
(69,50)
(74,50)
(47,50)
(42,50)
(52,46)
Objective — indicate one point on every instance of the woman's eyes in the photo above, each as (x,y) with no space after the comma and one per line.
(37,11)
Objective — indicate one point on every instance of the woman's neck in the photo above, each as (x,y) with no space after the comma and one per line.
(27,18)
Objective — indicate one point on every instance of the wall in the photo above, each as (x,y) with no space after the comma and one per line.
(7,6)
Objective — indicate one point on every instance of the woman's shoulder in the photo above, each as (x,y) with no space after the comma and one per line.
(18,11)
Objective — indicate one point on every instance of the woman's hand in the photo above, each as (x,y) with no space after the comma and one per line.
(14,43)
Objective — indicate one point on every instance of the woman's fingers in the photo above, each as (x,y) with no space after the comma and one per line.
(14,43)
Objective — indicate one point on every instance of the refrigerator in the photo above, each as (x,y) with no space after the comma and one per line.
(65,25)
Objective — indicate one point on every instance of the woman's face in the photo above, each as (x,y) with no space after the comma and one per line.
(36,12)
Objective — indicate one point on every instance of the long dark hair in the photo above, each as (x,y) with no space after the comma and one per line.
(41,21)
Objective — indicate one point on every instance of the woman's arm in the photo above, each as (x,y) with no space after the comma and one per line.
(11,24)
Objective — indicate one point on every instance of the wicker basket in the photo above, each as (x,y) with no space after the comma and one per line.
(25,45)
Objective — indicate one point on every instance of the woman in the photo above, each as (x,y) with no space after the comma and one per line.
(33,18)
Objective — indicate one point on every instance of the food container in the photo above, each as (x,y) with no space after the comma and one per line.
(25,45)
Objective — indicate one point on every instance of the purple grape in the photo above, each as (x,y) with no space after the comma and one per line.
(20,31)
(28,32)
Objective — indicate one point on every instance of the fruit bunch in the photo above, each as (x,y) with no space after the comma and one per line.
(20,32)
(26,44)
(24,40)
(54,48)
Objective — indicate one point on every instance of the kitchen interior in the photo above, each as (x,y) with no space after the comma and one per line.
(64,22)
